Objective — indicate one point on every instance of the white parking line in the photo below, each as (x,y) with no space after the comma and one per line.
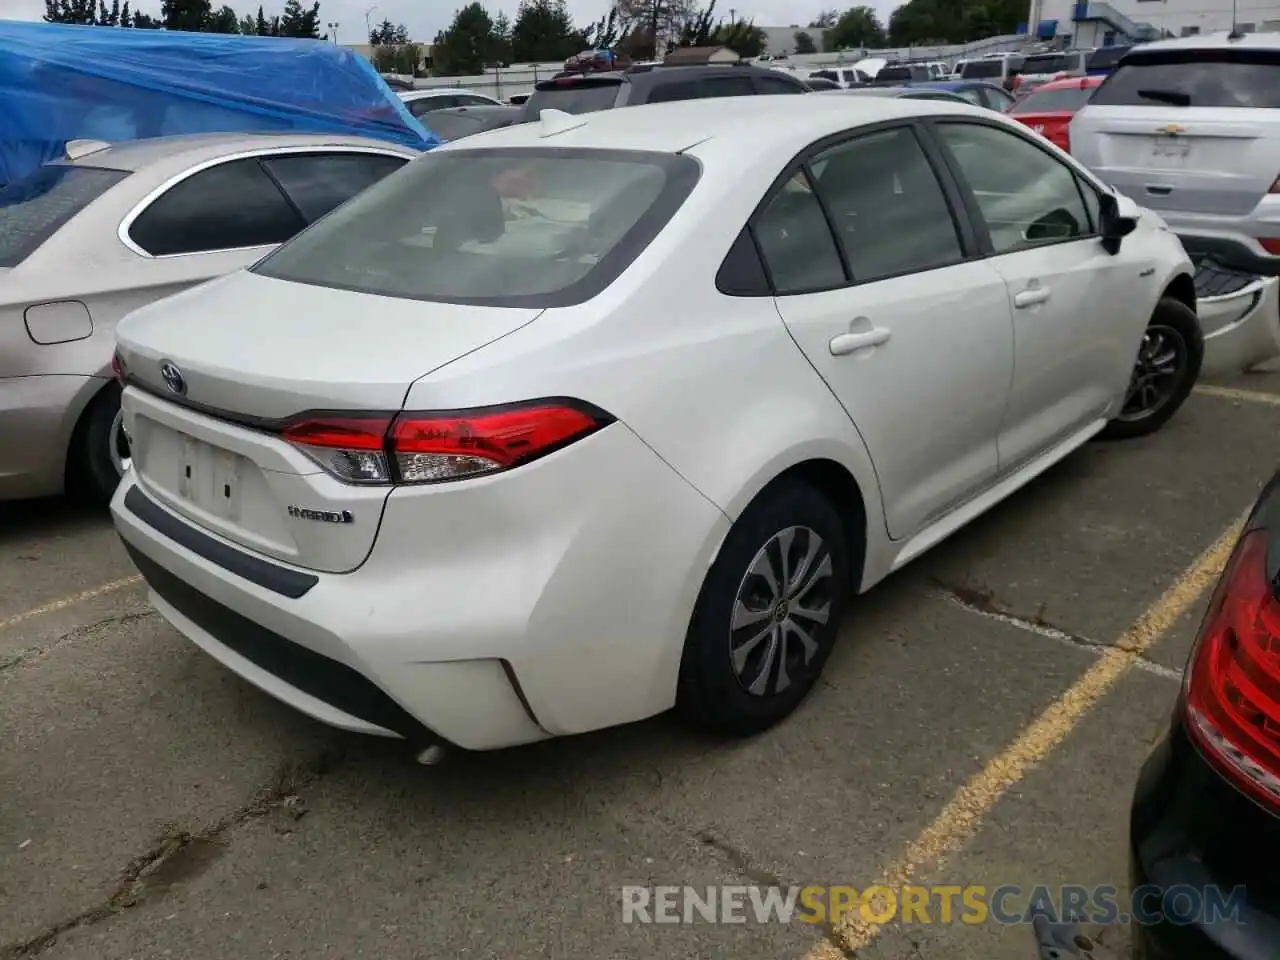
(56,605)
(1246,396)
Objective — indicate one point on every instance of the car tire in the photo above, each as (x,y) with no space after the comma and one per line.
(93,474)
(729,684)
(1173,331)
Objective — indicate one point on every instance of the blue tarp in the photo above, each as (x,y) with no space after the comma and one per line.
(60,82)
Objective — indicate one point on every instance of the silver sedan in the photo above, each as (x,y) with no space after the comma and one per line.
(85,241)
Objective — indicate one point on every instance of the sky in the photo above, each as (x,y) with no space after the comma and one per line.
(424,19)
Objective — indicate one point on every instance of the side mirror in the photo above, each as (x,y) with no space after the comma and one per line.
(1119,219)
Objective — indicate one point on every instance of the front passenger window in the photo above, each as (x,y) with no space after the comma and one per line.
(1027,197)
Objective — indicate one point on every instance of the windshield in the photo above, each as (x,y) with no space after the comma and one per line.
(1051,63)
(1062,100)
(501,227)
(983,68)
(1106,58)
(574,95)
(1199,78)
(34,208)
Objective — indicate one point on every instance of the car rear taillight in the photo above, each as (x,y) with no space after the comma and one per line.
(436,447)
(117,367)
(1270,244)
(1232,686)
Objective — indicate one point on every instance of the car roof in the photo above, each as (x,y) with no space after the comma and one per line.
(676,126)
(1209,41)
(480,110)
(425,92)
(134,155)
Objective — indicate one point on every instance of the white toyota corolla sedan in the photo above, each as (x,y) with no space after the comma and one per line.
(569,423)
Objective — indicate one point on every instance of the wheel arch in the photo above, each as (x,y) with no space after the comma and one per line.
(75,423)
(1183,289)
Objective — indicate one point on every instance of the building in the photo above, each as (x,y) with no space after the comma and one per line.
(685,56)
(1098,23)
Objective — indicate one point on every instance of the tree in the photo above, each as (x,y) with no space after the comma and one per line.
(500,50)
(462,49)
(388,32)
(804,42)
(605,33)
(297,22)
(543,31)
(248,26)
(857,27)
(71,11)
(224,20)
(743,37)
(653,25)
(144,21)
(825,20)
(261,27)
(191,15)
(108,16)
(126,15)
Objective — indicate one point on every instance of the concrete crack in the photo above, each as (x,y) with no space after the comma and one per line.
(181,854)
(982,601)
(27,654)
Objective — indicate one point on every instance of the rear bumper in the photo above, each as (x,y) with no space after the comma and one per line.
(1230,250)
(1240,315)
(37,417)
(549,601)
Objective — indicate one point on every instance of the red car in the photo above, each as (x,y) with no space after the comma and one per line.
(1048,108)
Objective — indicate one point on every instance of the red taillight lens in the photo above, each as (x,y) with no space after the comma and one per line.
(432,447)
(1232,687)
(435,447)
(117,367)
(1270,244)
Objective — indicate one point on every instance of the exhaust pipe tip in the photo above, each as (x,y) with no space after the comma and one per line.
(430,756)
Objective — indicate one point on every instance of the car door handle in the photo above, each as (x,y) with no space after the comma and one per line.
(1030,297)
(848,343)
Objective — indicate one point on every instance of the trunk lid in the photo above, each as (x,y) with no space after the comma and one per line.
(1191,160)
(251,351)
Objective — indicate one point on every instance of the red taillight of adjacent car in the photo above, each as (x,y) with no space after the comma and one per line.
(117,367)
(1232,687)
(436,447)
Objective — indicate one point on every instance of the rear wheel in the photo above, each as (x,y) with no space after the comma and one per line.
(1164,372)
(767,615)
(99,454)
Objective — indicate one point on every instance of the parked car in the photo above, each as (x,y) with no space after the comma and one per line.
(1190,127)
(138,221)
(1048,109)
(1041,68)
(1204,816)
(422,102)
(1240,316)
(822,83)
(978,92)
(842,77)
(904,73)
(587,93)
(910,93)
(426,526)
(996,69)
(453,123)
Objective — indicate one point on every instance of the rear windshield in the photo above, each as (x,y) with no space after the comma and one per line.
(894,73)
(574,95)
(1051,63)
(501,227)
(1064,100)
(34,208)
(1195,78)
(450,126)
(983,68)
(1106,57)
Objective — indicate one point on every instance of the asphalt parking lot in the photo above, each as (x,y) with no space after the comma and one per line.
(981,722)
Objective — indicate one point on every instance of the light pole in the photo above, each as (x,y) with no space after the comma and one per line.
(368,27)
(333,29)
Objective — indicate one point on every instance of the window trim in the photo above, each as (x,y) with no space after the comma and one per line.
(965,230)
(970,199)
(141,207)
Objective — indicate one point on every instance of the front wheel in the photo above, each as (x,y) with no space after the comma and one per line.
(1164,372)
(768,613)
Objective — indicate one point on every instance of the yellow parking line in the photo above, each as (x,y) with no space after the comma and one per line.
(65,602)
(961,818)
(1247,396)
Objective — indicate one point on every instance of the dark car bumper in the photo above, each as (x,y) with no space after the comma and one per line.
(1234,254)
(1192,830)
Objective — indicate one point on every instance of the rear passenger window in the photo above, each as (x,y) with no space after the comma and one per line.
(424,105)
(680,90)
(318,182)
(727,87)
(1027,197)
(228,207)
(796,242)
(888,207)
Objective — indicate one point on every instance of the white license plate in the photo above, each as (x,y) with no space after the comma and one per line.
(1169,150)
(209,478)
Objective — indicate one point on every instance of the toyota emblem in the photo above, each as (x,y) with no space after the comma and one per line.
(173,378)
